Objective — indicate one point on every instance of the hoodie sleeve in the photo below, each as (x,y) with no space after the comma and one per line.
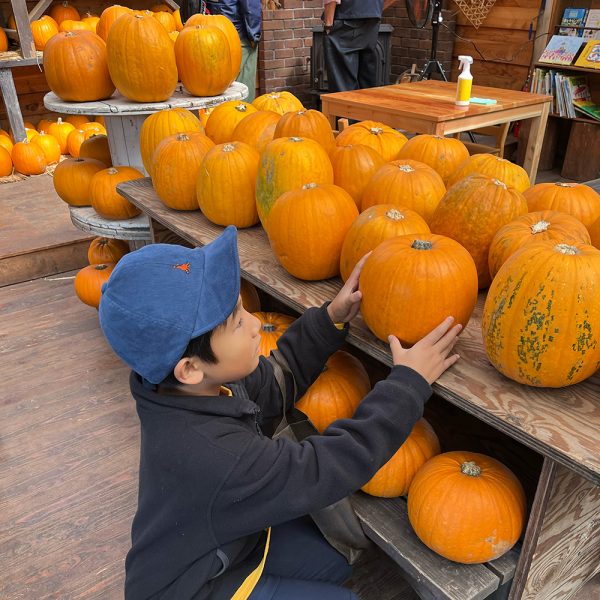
(251,14)
(273,481)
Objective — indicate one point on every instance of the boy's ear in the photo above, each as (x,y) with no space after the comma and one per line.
(189,371)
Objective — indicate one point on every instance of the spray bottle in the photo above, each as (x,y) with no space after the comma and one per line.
(465,81)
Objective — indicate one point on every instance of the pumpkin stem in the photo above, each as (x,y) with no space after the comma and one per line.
(269,327)
(309,186)
(228,148)
(500,183)
(422,245)
(112,171)
(405,168)
(241,107)
(540,227)
(182,137)
(394,214)
(376,130)
(470,468)
(566,249)
(563,184)
(296,139)
(100,267)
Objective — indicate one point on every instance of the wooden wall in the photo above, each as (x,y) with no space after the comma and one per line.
(503,40)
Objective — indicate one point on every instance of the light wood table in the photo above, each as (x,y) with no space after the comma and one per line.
(561,548)
(428,107)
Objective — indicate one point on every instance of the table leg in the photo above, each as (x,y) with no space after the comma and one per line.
(534,143)
(124,140)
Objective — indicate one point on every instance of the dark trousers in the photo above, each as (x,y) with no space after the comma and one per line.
(350,54)
(301,565)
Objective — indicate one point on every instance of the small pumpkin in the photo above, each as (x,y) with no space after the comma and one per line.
(310,124)
(576,199)
(62,11)
(373,226)
(273,326)
(42,30)
(256,129)
(108,17)
(107,202)
(89,281)
(3,41)
(6,143)
(106,250)
(49,145)
(442,154)
(250,298)
(337,391)
(74,141)
(96,146)
(72,179)
(70,25)
(77,120)
(44,124)
(28,158)
(166,19)
(6,165)
(93,128)
(176,163)
(410,284)
(534,227)
(225,186)
(279,102)
(91,22)
(405,183)
(383,139)
(307,227)
(178,23)
(394,478)
(61,130)
(224,118)
(467,507)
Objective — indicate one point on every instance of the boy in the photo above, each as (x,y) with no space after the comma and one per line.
(221,507)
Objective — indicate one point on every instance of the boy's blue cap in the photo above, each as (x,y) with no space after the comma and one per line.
(161,296)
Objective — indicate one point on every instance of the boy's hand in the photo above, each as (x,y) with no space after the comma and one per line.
(430,356)
(344,307)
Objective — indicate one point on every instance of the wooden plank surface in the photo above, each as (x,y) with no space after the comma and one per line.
(560,423)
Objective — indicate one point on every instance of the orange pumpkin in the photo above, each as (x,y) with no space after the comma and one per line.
(62,11)
(174,35)
(42,30)
(76,67)
(61,130)
(307,227)
(225,186)
(468,507)
(49,145)
(177,187)
(74,141)
(256,129)
(107,202)
(273,326)
(395,477)
(162,124)
(410,284)
(91,22)
(89,282)
(383,139)
(279,102)
(353,167)
(69,25)
(310,124)
(3,41)
(224,118)
(337,391)
(178,23)
(472,211)
(77,120)
(6,143)
(166,19)
(408,184)
(43,125)
(250,298)
(72,179)
(287,164)
(594,229)
(161,8)
(96,146)
(534,227)
(106,250)
(6,165)
(442,154)
(576,199)
(28,158)
(93,128)
(108,17)
(373,226)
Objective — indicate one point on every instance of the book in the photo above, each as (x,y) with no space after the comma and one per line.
(592,20)
(588,108)
(572,20)
(561,50)
(590,55)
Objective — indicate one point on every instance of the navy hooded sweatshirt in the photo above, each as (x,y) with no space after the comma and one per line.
(210,481)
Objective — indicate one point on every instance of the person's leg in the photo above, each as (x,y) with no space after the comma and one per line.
(279,588)
(368,57)
(247,74)
(341,57)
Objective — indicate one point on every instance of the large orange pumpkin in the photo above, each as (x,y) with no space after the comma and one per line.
(410,284)
(61,11)
(226,185)
(162,124)
(310,124)
(576,199)
(176,163)
(383,139)
(6,165)
(42,30)
(72,179)
(594,230)
(28,158)
(288,164)
(203,60)
(107,202)
(256,129)
(468,507)
(106,250)
(405,183)
(89,281)
(76,67)
(442,154)
(96,146)
(353,167)
(250,298)
(273,326)
(108,17)
(534,227)
(395,477)
(472,211)
(541,319)
(49,145)
(337,391)
(307,227)
(166,19)
(492,166)
(141,58)
(279,102)
(6,143)
(224,118)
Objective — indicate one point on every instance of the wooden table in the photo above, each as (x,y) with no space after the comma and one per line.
(428,107)
(561,548)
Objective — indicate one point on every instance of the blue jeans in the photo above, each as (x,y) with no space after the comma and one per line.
(301,565)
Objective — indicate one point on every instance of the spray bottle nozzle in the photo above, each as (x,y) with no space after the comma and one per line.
(464,60)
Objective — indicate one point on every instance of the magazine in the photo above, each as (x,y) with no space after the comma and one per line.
(593,20)
(590,55)
(572,20)
(561,50)
(588,108)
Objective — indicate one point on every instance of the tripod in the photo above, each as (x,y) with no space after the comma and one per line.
(433,65)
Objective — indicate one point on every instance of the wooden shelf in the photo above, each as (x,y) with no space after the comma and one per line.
(576,119)
(567,68)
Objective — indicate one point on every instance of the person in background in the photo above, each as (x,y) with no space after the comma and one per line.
(351,29)
(246,15)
